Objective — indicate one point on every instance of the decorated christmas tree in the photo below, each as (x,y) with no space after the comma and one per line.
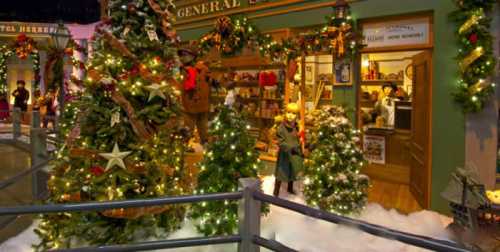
(122,139)
(229,156)
(332,179)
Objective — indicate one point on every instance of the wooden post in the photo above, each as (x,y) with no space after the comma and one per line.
(249,212)
(287,84)
(16,123)
(35,119)
(104,9)
(302,97)
(38,141)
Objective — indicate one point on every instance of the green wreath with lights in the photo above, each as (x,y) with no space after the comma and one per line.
(475,54)
(23,47)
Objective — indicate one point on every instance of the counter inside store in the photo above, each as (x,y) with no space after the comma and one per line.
(386,146)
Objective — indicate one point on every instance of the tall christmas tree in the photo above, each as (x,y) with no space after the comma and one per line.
(229,156)
(332,179)
(122,139)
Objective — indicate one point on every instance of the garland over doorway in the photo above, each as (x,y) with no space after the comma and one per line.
(338,37)
(23,47)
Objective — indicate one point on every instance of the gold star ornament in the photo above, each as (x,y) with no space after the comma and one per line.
(154,91)
(115,158)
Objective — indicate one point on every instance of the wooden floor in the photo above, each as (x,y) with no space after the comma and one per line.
(392,195)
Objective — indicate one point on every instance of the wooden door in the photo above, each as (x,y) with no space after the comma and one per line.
(420,148)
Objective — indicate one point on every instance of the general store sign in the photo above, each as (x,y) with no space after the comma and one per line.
(14,28)
(188,11)
(408,32)
(206,7)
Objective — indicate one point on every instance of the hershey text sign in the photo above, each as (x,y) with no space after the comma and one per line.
(9,28)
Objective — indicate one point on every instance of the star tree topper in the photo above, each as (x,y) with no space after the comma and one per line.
(115,157)
(155,90)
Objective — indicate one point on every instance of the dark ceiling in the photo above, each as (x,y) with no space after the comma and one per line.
(50,11)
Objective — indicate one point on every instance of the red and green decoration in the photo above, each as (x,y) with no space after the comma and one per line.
(337,36)
(475,55)
(23,47)
(230,35)
(69,51)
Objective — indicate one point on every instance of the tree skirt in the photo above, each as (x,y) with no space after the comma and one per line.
(305,233)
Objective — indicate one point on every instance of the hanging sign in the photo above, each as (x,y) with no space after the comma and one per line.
(15,28)
(408,32)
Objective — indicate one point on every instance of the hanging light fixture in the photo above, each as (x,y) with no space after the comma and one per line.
(60,36)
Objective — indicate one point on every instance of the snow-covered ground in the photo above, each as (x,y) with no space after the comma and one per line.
(304,233)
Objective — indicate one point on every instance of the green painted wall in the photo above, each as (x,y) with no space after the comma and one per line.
(448,123)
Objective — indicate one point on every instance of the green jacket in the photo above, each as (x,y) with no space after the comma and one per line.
(290,157)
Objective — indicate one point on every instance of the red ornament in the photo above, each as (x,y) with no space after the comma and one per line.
(473,38)
(97,170)
(134,70)
(68,51)
(131,8)
(82,65)
(22,37)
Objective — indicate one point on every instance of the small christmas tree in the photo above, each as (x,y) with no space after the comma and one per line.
(230,155)
(332,179)
(122,141)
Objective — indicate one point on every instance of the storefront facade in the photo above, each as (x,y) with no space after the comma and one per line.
(446,120)
(22,69)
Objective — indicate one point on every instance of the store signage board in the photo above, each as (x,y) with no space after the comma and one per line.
(201,8)
(15,28)
(203,11)
(407,32)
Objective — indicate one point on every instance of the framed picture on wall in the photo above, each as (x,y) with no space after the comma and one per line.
(343,73)
(309,73)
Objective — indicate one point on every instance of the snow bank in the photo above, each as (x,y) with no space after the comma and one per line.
(307,234)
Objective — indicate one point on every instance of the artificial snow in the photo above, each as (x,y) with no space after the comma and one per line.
(304,233)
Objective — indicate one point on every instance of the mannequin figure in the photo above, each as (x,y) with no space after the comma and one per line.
(386,105)
(290,157)
(195,93)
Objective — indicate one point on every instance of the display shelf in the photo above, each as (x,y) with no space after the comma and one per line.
(249,98)
(258,101)
(272,99)
(380,82)
(247,67)
(246,83)
(217,97)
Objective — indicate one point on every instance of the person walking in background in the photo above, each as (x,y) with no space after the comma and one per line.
(49,108)
(4,107)
(21,96)
(37,100)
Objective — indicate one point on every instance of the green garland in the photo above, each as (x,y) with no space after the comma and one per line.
(475,54)
(231,34)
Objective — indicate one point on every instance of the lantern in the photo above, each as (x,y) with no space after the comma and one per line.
(60,36)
